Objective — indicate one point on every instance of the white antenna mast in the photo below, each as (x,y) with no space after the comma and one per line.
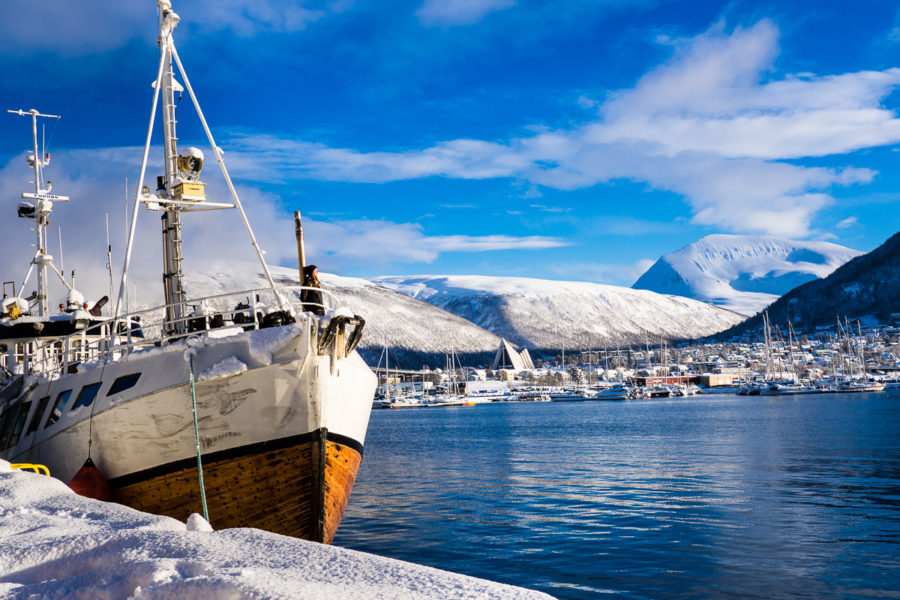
(39,211)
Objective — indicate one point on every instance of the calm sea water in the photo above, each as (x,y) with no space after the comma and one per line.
(703,497)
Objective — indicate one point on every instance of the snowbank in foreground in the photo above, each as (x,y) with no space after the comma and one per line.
(56,544)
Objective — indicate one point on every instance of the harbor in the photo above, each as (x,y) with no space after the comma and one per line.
(449,299)
(839,359)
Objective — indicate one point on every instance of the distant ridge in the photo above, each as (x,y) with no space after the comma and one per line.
(744,273)
(541,314)
(467,315)
(867,286)
(416,332)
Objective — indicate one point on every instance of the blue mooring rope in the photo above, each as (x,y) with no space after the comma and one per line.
(197,441)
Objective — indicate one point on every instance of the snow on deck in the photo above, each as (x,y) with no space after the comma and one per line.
(54,544)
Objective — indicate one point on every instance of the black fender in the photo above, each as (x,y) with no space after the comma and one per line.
(356,335)
(339,324)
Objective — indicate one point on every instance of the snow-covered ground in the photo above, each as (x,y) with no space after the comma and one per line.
(744,273)
(56,544)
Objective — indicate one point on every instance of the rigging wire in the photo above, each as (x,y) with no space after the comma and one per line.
(197,440)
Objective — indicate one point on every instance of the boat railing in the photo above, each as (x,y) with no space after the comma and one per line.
(219,315)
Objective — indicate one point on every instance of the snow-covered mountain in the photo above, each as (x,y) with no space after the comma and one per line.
(415,331)
(867,286)
(744,273)
(539,313)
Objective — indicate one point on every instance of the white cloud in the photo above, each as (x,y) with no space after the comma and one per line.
(468,243)
(458,12)
(72,28)
(550,209)
(26,26)
(640,267)
(606,273)
(845,223)
(710,124)
(95,181)
(248,19)
(379,242)
(629,226)
(277,159)
(587,103)
(710,98)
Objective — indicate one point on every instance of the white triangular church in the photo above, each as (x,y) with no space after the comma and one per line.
(508,357)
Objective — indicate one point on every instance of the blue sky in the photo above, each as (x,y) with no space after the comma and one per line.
(555,139)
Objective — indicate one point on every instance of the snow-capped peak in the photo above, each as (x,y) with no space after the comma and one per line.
(744,273)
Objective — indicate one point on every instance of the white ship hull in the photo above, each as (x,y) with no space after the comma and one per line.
(269,389)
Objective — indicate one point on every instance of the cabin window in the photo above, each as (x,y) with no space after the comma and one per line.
(58,408)
(87,395)
(38,413)
(123,383)
(9,418)
(19,424)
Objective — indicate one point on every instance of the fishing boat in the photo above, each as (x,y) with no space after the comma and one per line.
(251,406)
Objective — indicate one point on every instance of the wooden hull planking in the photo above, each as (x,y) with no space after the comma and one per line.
(297,487)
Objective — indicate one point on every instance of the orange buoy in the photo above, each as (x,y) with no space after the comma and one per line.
(89,482)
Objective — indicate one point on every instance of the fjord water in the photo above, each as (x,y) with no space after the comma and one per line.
(704,497)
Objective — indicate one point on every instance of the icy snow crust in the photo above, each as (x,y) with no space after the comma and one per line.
(539,313)
(744,273)
(55,544)
(224,368)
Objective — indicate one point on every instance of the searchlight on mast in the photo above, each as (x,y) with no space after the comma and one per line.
(180,189)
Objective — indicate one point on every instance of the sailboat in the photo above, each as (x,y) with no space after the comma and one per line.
(247,406)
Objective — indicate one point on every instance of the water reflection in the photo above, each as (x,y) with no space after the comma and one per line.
(690,498)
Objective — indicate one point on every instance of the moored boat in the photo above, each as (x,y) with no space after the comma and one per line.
(782,388)
(251,406)
(614,392)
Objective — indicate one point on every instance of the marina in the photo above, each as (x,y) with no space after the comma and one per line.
(842,360)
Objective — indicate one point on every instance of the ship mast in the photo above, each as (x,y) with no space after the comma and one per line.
(179,190)
(40,212)
(171,217)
